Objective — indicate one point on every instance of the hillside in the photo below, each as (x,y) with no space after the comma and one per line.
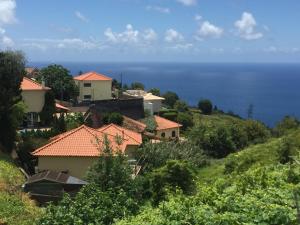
(15,206)
(248,187)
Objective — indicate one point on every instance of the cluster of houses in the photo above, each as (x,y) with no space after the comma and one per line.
(73,152)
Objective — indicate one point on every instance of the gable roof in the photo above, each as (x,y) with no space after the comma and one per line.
(134,138)
(31,85)
(134,125)
(164,124)
(81,142)
(92,76)
(54,176)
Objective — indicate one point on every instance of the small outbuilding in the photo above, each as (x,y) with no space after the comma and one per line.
(51,185)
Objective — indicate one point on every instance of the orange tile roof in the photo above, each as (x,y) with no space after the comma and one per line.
(92,76)
(81,142)
(113,129)
(133,124)
(31,85)
(163,124)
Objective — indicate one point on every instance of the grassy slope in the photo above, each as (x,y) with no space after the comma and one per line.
(265,154)
(15,206)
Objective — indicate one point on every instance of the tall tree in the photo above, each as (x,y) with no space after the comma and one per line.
(12,70)
(170,98)
(60,81)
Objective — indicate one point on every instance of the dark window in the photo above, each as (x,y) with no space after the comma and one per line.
(87,84)
(173,133)
(87,97)
(163,134)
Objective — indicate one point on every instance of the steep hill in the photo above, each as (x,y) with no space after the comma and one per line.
(15,206)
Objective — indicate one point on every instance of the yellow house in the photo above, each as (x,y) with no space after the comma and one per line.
(33,95)
(166,129)
(75,151)
(93,86)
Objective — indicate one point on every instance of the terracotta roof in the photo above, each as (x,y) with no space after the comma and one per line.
(133,137)
(134,125)
(92,76)
(82,141)
(163,124)
(31,85)
(59,106)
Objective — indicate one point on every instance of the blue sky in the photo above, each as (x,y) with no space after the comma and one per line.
(152,30)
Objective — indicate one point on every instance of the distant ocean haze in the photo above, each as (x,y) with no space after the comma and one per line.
(273,89)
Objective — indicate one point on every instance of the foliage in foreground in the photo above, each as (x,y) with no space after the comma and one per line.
(15,207)
(261,195)
(90,206)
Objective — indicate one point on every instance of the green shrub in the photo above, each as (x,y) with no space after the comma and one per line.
(205,106)
(286,125)
(175,174)
(170,116)
(113,117)
(170,98)
(185,119)
(256,131)
(181,106)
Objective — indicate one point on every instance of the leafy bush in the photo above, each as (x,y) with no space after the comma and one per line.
(113,117)
(155,91)
(205,106)
(185,119)
(286,125)
(170,116)
(181,106)
(150,124)
(90,206)
(256,131)
(156,155)
(175,174)
(259,196)
(74,121)
(48,110)
(170,98)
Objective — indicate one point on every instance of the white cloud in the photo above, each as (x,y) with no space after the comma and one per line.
(158,9)
(217,50)
(209,30)
(274,49)
(246,27)
(131,36)
(67,43)
(80,16)
(172,35)
(198,17)
(187,2)
(7,12)
(150,35)
(181,47)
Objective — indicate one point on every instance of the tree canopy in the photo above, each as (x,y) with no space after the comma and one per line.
(12,70)
(170,98)
(205,106)
(60,81)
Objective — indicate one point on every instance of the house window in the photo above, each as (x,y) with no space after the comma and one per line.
(173,133)
(87,97)
(163,134)
(87,84)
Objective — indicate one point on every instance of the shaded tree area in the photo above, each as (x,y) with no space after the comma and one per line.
(60,81)
(12,70)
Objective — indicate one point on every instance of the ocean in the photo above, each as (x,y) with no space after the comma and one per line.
(272,89)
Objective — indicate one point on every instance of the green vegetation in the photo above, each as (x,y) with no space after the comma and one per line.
(137,86)
(170,98)
(60,81)
(15,207)
(248,187)
(11,74)
(205,106)
(155,91)
(113,117)
(48,110)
